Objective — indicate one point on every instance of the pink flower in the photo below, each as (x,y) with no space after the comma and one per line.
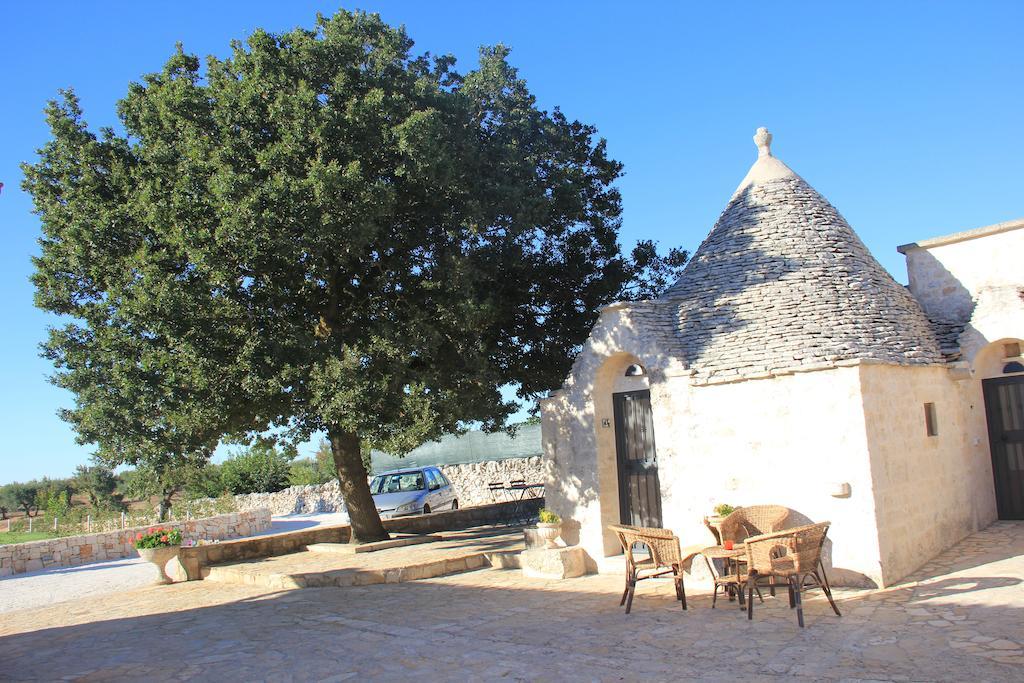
(163,538)
(138,537)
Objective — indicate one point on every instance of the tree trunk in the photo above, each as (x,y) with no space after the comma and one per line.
(165,505)
(355,489)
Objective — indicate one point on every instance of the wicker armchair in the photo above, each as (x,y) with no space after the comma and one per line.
(793,555)
(753,521)
(736,527)
(665,557)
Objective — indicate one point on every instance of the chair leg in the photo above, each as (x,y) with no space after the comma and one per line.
(625,592)
(792,600)
(629,597)
(795,587)
(750,597)
(823,580)
(714,596)
(681,588)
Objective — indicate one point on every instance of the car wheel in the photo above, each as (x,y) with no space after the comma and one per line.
(455,505)
(426,509)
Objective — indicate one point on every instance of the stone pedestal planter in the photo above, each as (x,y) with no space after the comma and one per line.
(560,563)
(160,557)
(549,533)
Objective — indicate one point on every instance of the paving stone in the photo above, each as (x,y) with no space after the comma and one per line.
(489,623)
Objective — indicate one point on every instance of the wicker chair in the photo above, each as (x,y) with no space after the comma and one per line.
(753,521)
(736,527)
(666,557)
(794,555)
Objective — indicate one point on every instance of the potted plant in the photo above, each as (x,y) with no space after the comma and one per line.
(159,545)
(549,527)
(714,522)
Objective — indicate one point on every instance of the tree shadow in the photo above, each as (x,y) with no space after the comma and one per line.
(494,624)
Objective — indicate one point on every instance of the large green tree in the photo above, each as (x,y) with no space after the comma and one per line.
(322,233)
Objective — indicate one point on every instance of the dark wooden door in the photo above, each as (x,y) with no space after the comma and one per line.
(1004,407)
(639,490)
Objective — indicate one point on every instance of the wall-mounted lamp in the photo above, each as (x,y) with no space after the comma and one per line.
(840,490)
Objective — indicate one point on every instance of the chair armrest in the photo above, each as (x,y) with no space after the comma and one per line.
(792,531)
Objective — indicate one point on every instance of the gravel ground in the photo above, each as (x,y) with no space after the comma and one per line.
(60,584)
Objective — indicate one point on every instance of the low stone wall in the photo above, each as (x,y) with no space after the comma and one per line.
(193,560)
(470,481)
(17,558)
(295,500)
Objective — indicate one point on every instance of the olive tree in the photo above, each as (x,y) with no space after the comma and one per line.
(322,233)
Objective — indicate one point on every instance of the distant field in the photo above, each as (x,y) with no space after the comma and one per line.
(7,537)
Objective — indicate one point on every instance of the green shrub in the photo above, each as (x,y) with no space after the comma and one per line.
(205,482)
(318,470)
(261,469)
(548,517)
(724,509)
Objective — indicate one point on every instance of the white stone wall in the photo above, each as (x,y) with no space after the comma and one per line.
(930,491)
(294,500)
(947,274)
(791,439)
(470,481)
(17,558)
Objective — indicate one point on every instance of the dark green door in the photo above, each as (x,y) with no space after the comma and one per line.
(639,489)
(1004,407)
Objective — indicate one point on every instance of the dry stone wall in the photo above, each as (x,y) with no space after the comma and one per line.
(18,558)
(470,481)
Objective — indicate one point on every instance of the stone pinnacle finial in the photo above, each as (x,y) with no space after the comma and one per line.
(763,140)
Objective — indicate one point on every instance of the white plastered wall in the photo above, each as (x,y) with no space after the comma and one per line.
(581,474)
(790,440)
(947,274)
(930,491)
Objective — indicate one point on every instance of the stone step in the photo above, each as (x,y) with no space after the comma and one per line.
(396,541)
(248,573)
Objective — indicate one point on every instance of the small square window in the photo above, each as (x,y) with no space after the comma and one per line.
(931,424)
(1011,350)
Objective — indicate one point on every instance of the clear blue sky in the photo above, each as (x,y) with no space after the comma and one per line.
(907,116)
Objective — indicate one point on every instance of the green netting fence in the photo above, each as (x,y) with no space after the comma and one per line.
(466,448)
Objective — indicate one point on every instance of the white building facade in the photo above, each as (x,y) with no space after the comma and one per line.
(787,367)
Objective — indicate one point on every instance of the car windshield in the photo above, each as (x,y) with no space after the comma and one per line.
(397,483)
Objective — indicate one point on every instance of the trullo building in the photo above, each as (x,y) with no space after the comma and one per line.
(786,366)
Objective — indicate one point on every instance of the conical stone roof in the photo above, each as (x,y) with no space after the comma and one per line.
(782,281)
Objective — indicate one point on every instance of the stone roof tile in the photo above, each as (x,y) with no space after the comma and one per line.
(782,280)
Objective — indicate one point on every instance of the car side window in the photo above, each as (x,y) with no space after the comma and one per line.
(433,480)
(443,479)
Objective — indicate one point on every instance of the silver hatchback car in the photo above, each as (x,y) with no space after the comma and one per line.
(413,491)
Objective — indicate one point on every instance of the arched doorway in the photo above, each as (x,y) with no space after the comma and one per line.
(622,430)
(1003,391)
(636,459)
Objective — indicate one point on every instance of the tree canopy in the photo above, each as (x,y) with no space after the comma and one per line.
(322,233)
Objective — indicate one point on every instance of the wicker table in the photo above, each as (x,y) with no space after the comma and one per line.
(730,579)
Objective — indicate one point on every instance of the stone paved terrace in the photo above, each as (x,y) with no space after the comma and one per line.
(961,619)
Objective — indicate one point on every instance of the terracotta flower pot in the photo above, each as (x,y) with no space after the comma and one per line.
(549,532)
(160,557)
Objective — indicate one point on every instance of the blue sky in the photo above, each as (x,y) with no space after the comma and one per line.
(907,116)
